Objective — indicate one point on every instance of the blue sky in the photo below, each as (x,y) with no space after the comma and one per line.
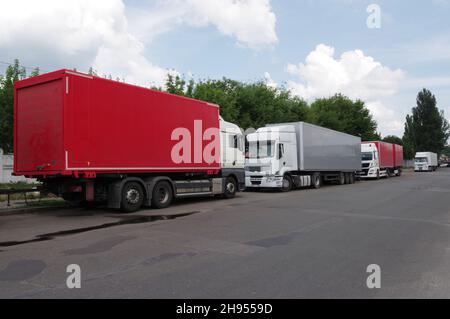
(314,47)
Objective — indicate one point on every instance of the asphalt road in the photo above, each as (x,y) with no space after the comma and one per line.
(303,244)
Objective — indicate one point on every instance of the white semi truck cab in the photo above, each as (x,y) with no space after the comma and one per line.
(271,153)
(371,161)
(425,161)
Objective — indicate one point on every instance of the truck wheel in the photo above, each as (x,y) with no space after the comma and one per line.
(352,178)
(342,178)
(316,181)
(162,195)
(378,174)
(287,184)
(132,197)
(230,188)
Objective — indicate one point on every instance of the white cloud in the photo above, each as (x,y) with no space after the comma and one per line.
(353,74)
(269,81)
(84,33)
(81,32)
(251,22)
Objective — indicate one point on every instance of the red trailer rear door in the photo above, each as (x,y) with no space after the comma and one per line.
(39,133)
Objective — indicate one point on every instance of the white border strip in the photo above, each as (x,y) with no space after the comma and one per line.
(133,168)
(79,74)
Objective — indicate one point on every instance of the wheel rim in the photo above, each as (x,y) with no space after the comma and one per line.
(163,195)
(133,196)
(231,188)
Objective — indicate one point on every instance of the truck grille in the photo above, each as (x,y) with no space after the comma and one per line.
(254,168)
(365,165)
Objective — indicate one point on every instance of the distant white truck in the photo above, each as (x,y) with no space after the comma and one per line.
(290,155)
(425,161)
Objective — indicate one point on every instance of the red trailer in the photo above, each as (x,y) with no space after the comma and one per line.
(93,139)
(398,155)
(381,159)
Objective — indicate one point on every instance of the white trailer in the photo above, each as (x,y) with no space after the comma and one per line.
(290,155)
(425,161)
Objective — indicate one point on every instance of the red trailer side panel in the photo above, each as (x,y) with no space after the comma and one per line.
(386,153)
(398,155)
(100,125)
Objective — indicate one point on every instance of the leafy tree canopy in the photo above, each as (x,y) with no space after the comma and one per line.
(426,129)
(342,114)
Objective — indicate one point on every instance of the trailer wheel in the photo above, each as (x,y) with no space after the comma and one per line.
(342,178)
(347,178)
(162,195)
(399,172)
(287,184)
(316,181)
(230,188)
(132,197)
(352,178)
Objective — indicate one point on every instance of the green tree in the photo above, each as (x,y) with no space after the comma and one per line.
(446,151)
(36,71)
(13,73)
(259,105)
(342,114)
(408,139)
(426,130)
(175,84)
(222,92)
(393,139)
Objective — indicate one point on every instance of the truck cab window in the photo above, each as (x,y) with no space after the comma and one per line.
(280,150)
(236,141)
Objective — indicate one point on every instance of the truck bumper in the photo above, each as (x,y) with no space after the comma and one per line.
(367,173)
(263,181)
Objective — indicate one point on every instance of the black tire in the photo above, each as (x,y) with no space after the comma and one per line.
(132,197)
(378,174)
(352,178)
(316,181)
(230,188)
(162,195)
(287,184)
(342,179)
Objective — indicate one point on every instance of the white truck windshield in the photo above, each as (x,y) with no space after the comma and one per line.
(261,149)
(367,156)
